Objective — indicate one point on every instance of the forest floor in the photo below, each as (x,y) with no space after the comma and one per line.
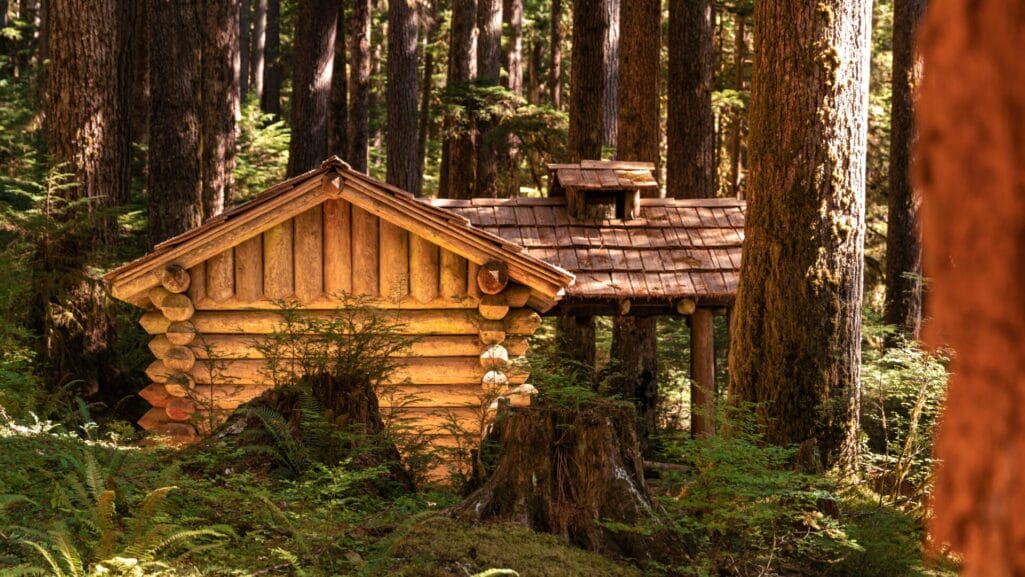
(55,489)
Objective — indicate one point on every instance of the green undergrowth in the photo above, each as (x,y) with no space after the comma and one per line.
(437,546)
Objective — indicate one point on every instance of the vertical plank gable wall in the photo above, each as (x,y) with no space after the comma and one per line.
(332,249)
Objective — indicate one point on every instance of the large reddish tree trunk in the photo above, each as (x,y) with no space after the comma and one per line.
(489,72)
(339,110)
(587,80)
(555,56)
(970,168)
(272,67)
(315,31)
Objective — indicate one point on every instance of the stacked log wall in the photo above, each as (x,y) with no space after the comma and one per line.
(469,322)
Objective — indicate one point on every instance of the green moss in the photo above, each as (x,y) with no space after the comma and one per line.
(440,547)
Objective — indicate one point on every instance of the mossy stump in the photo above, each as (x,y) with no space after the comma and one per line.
(569,472)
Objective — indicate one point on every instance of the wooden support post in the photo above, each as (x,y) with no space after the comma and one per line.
(702,373)
(364,252)
(309,254)
(394,261)
(453,276)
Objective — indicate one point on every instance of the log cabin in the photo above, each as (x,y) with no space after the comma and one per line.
(469,278)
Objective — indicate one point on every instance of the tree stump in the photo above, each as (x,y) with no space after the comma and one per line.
(562,470)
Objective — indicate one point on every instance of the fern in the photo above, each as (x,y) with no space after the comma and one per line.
(289,451)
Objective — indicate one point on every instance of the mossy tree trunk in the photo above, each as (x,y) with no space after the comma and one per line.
(87,139)
(797,324)
(634,351)
(969,167)
(903,241)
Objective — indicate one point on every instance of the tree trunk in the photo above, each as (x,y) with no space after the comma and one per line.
(690,169)
(133,92)
(220,78)
(903,244)
(969,168)
(611,71)
(402,90)
(587,79)
(431,26)
(512,19)
(489,73)
(459,164)
(244,27)
(534,71)
(634,351)
(575,336)
(272,68)
(797,329)
(315,30)
(338,112)
(86,131)
(257,55)
(359,86)
(555,60)
(561,470)
(740,58)
(175,203)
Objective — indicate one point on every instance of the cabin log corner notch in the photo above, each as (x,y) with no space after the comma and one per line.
(471,298)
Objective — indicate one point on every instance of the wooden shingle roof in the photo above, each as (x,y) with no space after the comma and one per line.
(675,249)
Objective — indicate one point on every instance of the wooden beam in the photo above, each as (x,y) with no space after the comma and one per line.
(249,270)
(412,322)
(278,266)
(337,247)
(702,371)
(394,261)
(492,277)
(365,253)
(424,269)
(220,275)
(453,276)
(309,254)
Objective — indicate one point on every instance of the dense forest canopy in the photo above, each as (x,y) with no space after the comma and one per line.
(782,426)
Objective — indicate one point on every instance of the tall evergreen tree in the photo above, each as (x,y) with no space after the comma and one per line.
(338,111)
(359,85)
(611,73)
(634,352)
(489,73)
(402,90)
(85,129)
(903,243)
(555,56)
(587,79)
(315,30)
(175,200)
(272,67)
(220,104)
(690,170)
(244,38)
(797,322)
(458,162)
(512,20)
(257,49)
(586,107)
